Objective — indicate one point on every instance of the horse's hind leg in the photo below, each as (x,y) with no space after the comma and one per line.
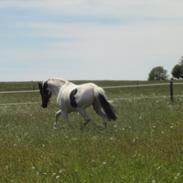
(100,112)
(85,116)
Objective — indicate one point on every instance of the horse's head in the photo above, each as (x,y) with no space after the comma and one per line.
(45,93)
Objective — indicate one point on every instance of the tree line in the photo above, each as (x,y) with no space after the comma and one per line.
(159,73)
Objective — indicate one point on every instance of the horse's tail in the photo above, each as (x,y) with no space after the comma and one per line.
(105,105)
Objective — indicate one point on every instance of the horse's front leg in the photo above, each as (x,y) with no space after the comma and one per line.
(64,115)
(57,114)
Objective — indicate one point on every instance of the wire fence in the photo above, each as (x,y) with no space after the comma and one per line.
(136,86)
(113,100)
(19,103)
(105,87)
(17,91)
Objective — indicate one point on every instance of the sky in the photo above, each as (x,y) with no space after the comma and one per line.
(88,39)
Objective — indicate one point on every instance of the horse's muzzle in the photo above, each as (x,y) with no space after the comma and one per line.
(44,106)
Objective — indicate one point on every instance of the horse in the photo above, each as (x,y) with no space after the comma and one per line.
(76,98)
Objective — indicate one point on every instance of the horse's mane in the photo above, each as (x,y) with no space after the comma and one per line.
(57,79)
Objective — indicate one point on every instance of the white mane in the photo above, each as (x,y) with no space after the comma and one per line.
(57,80)
(55,84)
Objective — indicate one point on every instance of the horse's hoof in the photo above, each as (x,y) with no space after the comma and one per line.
(105,126)
(56,126)
(82,127)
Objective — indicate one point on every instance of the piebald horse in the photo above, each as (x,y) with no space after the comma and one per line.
(76,98)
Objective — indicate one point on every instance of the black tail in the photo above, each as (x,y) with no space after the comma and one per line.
(108,109)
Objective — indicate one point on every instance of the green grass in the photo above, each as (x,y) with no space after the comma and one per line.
(144,145)
(11,86)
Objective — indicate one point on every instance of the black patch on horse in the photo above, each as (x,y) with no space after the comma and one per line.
(72,98)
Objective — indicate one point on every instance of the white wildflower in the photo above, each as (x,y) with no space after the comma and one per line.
(104,163)
(154,126)
(74,139)
(140,117)
(57,177)
(61,171)
(115,126)
(134,140)
(177,176)
(53,174)
(112,138)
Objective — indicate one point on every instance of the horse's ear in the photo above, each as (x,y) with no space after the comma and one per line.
(46,84)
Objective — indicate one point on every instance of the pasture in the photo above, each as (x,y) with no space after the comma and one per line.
(145,144)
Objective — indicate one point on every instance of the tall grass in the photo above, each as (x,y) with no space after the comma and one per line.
(144,145)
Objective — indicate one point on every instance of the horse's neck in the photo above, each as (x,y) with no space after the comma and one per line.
(56,84)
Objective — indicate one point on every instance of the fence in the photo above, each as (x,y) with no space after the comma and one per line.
(170,84)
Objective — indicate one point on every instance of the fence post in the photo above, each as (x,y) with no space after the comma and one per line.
(33,85)
(171,90)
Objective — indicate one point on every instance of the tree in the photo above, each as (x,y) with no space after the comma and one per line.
(158,73)
(181,61)
(177,71)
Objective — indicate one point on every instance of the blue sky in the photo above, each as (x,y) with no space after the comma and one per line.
(88,39)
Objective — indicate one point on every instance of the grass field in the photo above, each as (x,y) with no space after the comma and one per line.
(145,144)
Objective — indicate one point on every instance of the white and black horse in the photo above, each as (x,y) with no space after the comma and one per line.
(76,98)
